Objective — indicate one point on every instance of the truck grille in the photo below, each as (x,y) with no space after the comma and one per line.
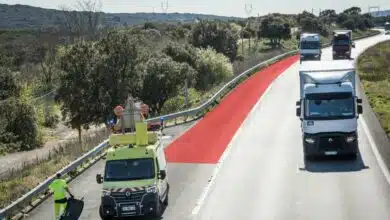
(120,197)
(330,143)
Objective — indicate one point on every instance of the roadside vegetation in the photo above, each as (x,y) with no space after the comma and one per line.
(374,73)
(92,68)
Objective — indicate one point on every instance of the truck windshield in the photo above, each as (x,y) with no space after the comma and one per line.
(341,40)
(329,106)
(310,45)
(131,169)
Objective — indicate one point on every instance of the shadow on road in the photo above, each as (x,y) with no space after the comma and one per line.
(335,164)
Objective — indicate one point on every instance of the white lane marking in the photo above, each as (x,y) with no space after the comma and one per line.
(227,151)
(374,148)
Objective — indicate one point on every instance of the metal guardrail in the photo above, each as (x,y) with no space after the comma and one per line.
(43,187)
(225,88)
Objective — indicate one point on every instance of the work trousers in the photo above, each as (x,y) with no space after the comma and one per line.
(59,208)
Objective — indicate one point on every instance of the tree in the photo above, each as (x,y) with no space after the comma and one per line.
(274,29)
(8,85)
(162,79)
(82,23)
(116,74)
(181,52)
(328,16)
(352,11)
(78,102)
(214,34)
(212,68)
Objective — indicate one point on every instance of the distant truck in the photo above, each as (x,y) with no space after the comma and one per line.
(328,108)
(387,28)
(342,44)
(310,46)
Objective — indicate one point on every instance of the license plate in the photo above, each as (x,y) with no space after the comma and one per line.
(128,208)
(330,152)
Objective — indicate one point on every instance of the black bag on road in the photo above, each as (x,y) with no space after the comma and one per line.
(73,209)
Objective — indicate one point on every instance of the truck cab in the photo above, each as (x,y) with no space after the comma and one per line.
(342,44)
(387,28)
(328,108)
(134,180)
(310,46)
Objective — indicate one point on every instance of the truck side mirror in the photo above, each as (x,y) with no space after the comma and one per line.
(353,44)
(360,109)
(298,112)
(359,101)
(162,174)
(99,178)
(298,103)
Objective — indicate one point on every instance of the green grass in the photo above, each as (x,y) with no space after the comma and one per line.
(374,72)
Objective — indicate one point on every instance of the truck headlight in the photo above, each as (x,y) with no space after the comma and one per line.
(350,139)
(348,52)
(309,140)
(151,189)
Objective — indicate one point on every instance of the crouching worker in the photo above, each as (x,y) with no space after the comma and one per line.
(58,187)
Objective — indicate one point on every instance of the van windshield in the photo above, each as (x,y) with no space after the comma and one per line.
(310,45)
(329,106)
(130,169)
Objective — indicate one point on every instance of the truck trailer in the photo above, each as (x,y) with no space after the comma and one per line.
(310,46)
(328,108)
(342,44)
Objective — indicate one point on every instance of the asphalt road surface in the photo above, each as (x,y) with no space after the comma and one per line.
(264,176)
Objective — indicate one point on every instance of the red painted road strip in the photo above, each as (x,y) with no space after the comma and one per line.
(207,140)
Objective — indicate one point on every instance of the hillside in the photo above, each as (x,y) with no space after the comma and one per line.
(26,17)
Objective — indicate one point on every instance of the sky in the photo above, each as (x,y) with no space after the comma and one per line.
(216,7)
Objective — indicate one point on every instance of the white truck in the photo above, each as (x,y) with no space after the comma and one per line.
(310,46)
(387,28)
(328,108)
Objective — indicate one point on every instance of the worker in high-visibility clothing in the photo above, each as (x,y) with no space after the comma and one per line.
(58,187)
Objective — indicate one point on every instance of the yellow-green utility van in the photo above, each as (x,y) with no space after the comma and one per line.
(135,179)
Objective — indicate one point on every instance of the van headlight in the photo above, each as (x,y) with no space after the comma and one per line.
(350,139)
(309,140)
(151,189)
(106,193)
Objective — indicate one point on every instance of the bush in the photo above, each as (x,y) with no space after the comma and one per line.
(8,85)
(177,103)
(19,130)
(212,68)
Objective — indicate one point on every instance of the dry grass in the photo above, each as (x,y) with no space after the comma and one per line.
(374,72)
(18,182)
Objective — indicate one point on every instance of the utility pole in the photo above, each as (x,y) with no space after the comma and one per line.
(164,8)
(248,10)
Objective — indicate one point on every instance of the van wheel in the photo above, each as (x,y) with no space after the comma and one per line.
(166,200)
(158,211)
(102,216)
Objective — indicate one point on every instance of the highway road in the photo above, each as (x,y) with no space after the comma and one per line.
(263,174)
